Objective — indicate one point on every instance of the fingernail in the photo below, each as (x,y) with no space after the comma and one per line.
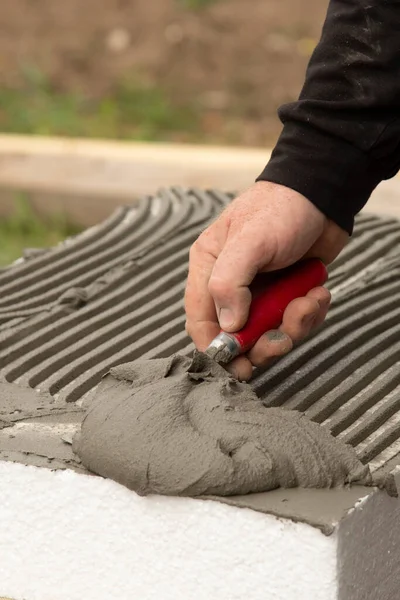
(308,319)
(324,303)
(275,335)
(226,318)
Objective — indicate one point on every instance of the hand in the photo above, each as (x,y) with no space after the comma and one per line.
(267,228)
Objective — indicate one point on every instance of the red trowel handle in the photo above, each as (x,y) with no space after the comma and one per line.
(269,303)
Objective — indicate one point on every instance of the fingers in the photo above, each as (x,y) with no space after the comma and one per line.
(201,318)
(259,231)
(241,368)
(300,317)
(271,345)
(234,270)
(323,297)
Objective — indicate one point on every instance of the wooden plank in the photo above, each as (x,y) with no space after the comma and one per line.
(89,178)
(122,169)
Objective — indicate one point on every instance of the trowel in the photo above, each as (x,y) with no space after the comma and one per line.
(272,293)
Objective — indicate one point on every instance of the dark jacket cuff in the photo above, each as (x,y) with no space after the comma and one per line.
(334,175)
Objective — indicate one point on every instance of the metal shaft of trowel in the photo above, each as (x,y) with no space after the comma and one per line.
(267,307)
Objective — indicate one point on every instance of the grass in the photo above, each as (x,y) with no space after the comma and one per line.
(132,111)
(26,229)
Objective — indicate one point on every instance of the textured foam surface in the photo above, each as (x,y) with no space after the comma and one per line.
(114,294)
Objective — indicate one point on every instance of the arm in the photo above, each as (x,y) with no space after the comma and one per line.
(338,142)
(342,137)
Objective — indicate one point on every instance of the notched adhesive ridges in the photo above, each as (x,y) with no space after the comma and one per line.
(114,294)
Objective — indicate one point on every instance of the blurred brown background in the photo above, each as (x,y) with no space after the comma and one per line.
(179,70)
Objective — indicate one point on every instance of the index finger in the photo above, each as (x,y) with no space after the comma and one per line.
(201,317)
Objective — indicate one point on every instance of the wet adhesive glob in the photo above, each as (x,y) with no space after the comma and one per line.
(182,426)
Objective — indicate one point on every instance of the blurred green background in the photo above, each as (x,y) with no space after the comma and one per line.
(26,229)
(198,71)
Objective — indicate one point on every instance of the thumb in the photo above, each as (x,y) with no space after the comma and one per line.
(234,270)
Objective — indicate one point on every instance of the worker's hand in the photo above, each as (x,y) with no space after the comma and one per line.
(268,227)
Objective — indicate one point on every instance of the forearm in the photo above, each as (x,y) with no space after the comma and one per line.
(342,137)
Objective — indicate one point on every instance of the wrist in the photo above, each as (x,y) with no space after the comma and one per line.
(335,176)
(302,207)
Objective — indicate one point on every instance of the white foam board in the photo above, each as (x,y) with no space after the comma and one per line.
(67,536)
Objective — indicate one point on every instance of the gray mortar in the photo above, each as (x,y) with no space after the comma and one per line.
(33,427)
(184,427)
(69,314)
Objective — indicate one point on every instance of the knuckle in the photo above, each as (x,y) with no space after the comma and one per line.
(202,244)
(194,251)
(219,288)
(196,246)
(197,249)
(206,246)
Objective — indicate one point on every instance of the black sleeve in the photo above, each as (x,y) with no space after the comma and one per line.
(342,137)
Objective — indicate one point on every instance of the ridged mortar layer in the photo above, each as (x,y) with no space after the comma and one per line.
(114,294)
